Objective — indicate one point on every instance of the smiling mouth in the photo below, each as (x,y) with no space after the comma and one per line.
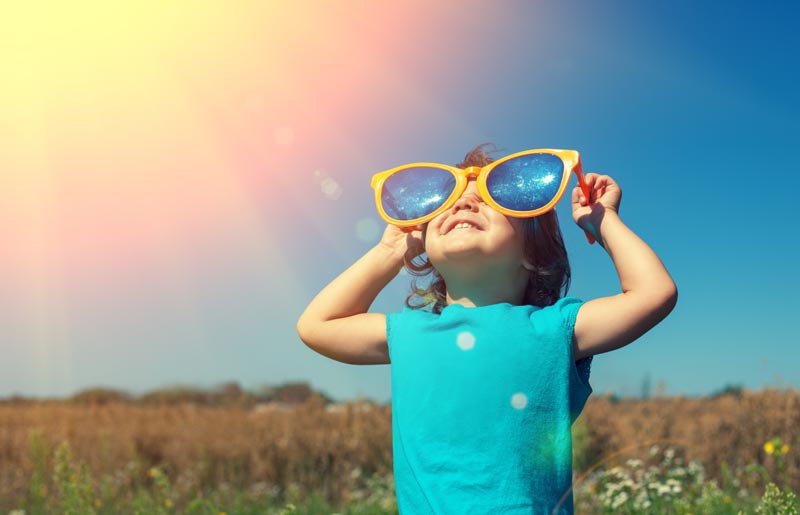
(462,226)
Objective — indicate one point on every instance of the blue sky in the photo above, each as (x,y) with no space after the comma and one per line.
(692,107)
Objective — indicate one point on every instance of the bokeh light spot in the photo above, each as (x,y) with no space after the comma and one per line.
(367,230)
(519,400)
(331,189)
(465,340)
(328,185)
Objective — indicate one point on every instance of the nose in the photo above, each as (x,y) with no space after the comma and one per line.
(468,200)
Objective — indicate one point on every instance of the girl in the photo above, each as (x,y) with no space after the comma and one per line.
(486,385)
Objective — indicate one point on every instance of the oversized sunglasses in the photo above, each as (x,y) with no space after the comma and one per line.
(522,185)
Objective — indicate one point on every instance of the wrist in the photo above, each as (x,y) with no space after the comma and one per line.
(390,256)
(604,225)
(598,222)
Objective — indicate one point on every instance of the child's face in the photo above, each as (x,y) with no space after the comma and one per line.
(493,238)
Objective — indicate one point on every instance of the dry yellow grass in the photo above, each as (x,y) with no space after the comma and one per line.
(201,448)
(269,448)
(728,428)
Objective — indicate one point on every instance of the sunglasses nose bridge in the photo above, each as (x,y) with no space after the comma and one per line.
(472,171)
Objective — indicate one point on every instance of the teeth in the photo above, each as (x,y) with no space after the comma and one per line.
(464,225)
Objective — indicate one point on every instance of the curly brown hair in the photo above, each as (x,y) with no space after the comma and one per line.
(544,249)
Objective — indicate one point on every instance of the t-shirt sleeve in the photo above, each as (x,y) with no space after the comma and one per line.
(568,308)
(391,322)
(394,324)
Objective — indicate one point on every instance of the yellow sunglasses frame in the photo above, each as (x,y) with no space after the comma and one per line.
(570,158)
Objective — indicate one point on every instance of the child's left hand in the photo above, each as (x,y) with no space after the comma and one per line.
(606,195)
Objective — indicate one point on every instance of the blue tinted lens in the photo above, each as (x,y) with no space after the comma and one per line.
(416,192)
(527,182)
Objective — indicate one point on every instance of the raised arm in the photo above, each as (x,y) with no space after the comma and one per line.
(336,323)
(648,292)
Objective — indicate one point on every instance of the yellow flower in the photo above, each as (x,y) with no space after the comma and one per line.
(152,472)
(785,448)
(769,447)
(98,503)
(167,503)
(727,499)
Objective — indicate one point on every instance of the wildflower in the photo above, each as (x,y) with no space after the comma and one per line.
(675,485)
(152,472)
(769,447)
(168,503)
(620,500)
(642,500)
(633,463)
(784,449)
(98,503)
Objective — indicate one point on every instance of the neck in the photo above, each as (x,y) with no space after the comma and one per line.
(486,287)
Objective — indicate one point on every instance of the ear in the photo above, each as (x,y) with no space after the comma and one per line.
(527,265)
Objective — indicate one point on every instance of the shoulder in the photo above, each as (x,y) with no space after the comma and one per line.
(408,317)
(562,313)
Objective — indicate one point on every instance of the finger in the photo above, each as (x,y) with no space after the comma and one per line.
(578,197)
(607,181)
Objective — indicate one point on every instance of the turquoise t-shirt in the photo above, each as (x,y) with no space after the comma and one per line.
(483,400)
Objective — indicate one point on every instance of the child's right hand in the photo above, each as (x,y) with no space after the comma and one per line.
(402,240)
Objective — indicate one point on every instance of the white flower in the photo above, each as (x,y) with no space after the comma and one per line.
(674,485)
(634,463)
(642,501)
(620,500)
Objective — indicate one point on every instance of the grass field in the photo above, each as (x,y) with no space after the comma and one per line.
(726,454)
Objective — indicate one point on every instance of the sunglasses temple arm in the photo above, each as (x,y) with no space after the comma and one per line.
(586,193)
